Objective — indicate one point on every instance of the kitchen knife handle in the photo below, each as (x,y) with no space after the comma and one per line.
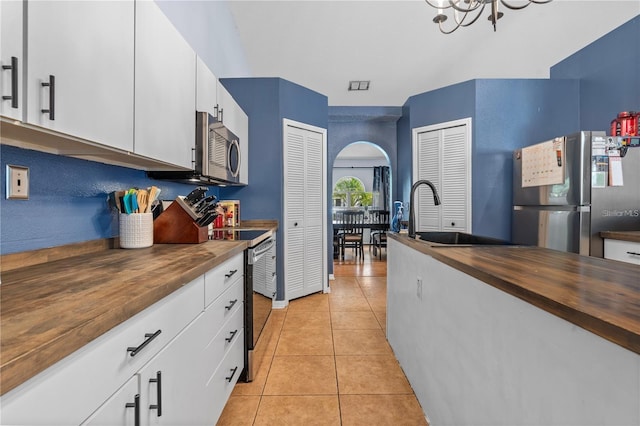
(231,303)
(633,253)
(136,406)
(148,338)
(52,97)
(14,82)
(157,406)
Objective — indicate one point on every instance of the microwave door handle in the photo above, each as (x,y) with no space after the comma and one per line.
(235,172)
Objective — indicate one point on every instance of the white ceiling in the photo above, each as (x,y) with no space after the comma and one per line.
(323,45)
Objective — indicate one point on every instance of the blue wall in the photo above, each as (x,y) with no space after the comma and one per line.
(609,74)
(364,124)
(510,114)
(506,114)
(267,101)
(67,200)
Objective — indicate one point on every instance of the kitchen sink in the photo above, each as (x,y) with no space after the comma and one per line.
(458,238)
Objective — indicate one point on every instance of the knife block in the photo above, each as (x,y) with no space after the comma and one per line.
(176,226)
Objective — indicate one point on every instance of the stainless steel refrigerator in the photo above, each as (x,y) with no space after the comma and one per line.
(567,190)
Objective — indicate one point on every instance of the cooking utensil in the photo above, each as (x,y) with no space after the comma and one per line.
(142,197)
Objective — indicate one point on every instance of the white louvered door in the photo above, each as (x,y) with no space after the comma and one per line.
(304,209)
(442,155)
(428,215)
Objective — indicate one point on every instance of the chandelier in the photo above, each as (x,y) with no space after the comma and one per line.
(466,12)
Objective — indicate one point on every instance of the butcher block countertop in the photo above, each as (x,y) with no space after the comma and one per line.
(599,295)
(633,236)
(54,301)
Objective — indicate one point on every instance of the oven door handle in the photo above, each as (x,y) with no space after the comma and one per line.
(257,254)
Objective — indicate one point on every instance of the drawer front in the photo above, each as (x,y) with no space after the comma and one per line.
(625,251)
(223,308)
(224,379)
(223,340)
(70,390)
(221,277)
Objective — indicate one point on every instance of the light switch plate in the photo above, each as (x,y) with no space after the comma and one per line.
(17,182)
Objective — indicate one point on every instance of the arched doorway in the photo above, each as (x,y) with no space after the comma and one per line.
(361,180)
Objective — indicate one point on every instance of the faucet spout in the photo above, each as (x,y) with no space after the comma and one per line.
(412,218)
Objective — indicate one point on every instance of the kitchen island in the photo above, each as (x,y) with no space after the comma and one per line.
(515,335)
(58,304)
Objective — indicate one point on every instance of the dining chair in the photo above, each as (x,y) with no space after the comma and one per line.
(353,232)
(379,223)
(338,232)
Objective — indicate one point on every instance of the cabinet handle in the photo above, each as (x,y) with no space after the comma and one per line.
(273,274)
(230,338)
(633,253)
(233,372)
(230,274)
(157,406)
(14,82)
(221,115)
(136,406)
(52,97)
(232,302)
(148,338)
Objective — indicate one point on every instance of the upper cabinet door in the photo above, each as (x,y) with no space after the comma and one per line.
(11,60)
(206,88)
(165,89)
(235,119)
(80,69)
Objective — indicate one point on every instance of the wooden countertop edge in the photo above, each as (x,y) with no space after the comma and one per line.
(633,236)
(612,332)
(15,371)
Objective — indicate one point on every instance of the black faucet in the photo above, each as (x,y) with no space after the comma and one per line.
(436,201)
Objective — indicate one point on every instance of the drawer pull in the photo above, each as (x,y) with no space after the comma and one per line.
(14,82)
(52,97)
(230,274)
(136,406)
(233,334)
(233,373)
(148,338)
(232,302)
(633,253)
(157,406)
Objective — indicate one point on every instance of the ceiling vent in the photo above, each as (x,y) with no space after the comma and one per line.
(359,85)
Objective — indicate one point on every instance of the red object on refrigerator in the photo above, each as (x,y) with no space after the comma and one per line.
(625,124)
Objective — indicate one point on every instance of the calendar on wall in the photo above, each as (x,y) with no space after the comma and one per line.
(543,163)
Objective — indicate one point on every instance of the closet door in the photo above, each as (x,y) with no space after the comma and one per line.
(304,209)
(428,153)
(442,155)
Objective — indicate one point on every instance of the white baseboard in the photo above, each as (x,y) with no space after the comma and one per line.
(332,277)
(279,304)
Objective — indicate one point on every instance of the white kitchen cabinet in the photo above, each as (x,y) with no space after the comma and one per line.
(121,408)
(305,182)
(84,53)
(11,59)
(72,389)
(206,88)
(165,89)
(624,251)
(236,120)
(172,386)
(442,155)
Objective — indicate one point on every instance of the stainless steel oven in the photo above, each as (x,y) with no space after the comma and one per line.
(260,290)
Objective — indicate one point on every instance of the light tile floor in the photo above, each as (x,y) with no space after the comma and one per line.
(325,360)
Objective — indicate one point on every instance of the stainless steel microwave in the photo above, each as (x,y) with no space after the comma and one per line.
(217,149)
(216,155)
